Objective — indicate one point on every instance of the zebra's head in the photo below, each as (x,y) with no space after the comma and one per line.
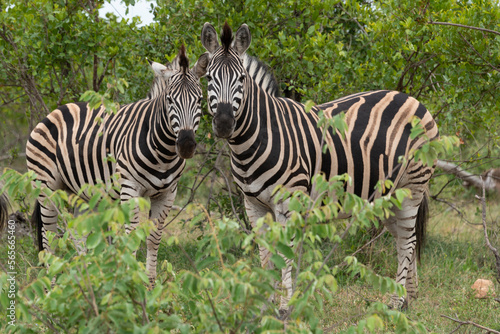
(183,95)
(226,75)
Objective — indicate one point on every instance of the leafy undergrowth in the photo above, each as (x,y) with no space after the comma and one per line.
(210,280)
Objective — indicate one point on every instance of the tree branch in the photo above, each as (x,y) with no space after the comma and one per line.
(462,323)
(470,178)
(478,54)
(463,26)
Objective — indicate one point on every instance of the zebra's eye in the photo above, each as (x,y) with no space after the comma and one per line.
(242,77)
(209,78)
(169,99)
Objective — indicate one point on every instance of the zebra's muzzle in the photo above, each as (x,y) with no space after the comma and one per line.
(186,144)
(224,122)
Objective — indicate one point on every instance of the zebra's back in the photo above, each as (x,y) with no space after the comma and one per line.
(379,128)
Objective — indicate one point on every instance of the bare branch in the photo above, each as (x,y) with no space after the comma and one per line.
(353,18)
(470,178)
(370,242)
(453,206)
(463,26)
(462,323)
(478,54)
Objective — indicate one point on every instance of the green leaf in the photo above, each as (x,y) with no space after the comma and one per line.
(93,240)
(285,250)
(93,201)
(55,267)
(129,260)
(278,261)
(38,288)
(206,262)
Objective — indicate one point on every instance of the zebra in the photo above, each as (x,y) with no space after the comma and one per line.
(274,141)
(149,140)
(160,80)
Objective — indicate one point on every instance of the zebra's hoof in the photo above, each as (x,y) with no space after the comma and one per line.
(283,314)
(400,304)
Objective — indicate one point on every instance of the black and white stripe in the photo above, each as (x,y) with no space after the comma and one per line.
(149,139)
(273,142)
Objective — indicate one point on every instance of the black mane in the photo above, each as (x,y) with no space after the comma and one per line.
(226,36)
(183,59)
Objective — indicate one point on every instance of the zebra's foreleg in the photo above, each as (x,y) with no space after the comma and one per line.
(254,212)
(160,206)
(282,215)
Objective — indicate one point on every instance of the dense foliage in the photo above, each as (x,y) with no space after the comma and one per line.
(52,52)
(94,283)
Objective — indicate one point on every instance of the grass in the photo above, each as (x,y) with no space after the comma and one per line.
(454,257)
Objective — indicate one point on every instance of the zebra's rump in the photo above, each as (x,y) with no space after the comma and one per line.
(69,147)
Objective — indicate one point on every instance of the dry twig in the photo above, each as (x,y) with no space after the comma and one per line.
(463,323)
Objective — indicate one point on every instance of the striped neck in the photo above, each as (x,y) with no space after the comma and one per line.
(160,135)
(249,122)
(261,86)
(158,86)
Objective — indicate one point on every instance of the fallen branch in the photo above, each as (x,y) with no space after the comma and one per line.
(462,323)
(493,249)
(491,179)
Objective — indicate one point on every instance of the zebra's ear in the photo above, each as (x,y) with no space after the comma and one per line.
(200,68)
(209,38)
(161,70)
(242,39)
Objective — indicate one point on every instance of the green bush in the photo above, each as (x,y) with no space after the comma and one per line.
(99,286)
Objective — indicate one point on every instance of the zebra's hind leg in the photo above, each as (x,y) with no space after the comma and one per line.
(403,227)
(45,215)
(48,217)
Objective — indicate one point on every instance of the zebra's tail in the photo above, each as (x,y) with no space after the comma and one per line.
(36,219)
(421,225)
(4,214)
